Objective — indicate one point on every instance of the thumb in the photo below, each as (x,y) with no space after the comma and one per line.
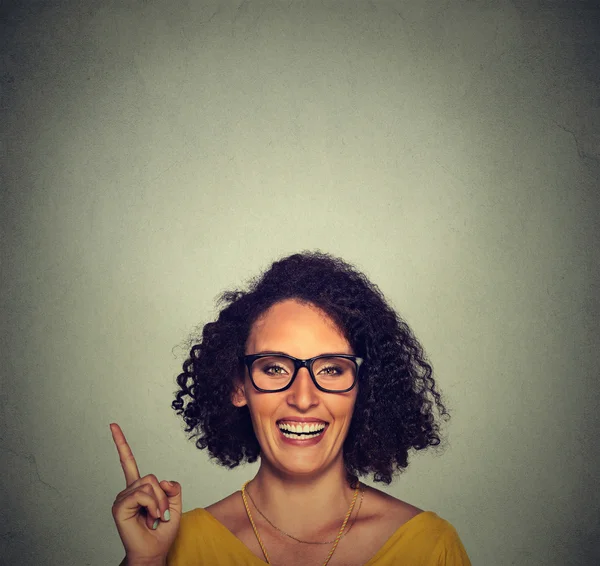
(173,492)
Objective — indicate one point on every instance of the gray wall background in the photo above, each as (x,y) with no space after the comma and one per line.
(156,153)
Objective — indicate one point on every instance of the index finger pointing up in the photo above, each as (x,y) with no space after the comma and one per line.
(128,463)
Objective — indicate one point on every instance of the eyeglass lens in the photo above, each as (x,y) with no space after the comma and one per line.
(331,373)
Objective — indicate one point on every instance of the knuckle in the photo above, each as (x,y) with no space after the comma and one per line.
(146,488)
(119,500)
(151,478)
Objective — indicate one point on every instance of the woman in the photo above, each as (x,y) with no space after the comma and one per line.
(311,371)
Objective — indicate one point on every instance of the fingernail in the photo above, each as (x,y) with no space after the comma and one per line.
(155,525)
(170,483)
(167,515)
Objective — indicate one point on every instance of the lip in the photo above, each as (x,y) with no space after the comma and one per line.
(299,441)
(306,420)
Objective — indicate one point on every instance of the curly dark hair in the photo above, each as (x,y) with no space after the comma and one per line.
(398,407)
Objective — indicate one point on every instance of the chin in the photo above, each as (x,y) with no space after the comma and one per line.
(300,467)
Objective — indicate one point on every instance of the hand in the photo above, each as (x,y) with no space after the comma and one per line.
(147,512)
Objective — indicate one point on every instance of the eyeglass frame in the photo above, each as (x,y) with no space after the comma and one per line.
(249,359)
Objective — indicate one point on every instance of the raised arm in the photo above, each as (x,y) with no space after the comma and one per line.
(147,512)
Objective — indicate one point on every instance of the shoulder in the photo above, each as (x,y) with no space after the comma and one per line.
(220,516)
(425,540)
(196,522)
(230,512)
(437,540)
(385,509)
(378,517)
(421,537)
(413,530)
(224,505)
(205,533)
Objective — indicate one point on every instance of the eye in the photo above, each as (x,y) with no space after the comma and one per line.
(274,369)
(330,370)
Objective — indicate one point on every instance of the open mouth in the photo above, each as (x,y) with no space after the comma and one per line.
(301,431)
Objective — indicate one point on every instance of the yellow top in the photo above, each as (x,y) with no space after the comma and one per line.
(424,540)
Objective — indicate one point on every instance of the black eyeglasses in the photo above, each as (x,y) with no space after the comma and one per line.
(331,373)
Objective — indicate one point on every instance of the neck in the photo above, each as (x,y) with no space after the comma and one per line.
(319,503)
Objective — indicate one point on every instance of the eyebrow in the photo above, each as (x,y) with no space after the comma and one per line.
(286,354)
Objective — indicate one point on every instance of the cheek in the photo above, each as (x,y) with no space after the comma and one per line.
(353,406)
(261,408)
(345,408)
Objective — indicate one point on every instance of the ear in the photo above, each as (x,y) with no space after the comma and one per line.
(238,396)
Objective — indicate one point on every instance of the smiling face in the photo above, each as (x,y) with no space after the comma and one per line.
(303,331)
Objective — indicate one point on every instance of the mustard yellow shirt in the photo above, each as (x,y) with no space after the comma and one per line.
(425,540)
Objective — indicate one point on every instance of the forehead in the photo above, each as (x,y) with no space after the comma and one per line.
(298,329)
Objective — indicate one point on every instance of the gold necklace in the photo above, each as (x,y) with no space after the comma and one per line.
(260,542)
(362,495)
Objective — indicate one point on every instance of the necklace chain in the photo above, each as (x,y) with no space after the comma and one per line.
(335,543)
(362,495)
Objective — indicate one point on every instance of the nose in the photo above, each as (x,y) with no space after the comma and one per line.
(303,393)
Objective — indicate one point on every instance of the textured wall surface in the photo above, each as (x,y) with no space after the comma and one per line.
(155,153)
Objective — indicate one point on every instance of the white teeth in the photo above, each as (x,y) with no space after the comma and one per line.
(302,437)
(297,429)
